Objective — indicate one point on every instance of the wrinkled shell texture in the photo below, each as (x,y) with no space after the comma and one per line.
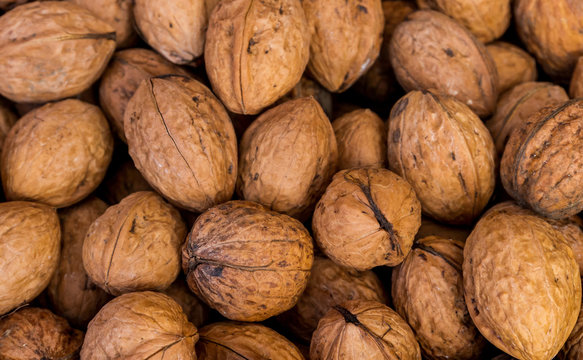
(125,181)
(514,65)
(452,171)
(233,340)
(51,50)
(196,311)
(274,167)
(573,348)
(117,13)
(572,230)
(7,119)
(135,245)
(30,243)
(140,325)
(247,262)
(363,330)
(307,87)
(37,334)
(432,51)
(511,245)
(430,227)
(543,161)
(367,218)
(182,141)
(576,87)
(428,292)
(256,51)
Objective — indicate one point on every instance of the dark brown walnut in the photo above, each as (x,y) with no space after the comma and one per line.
(67,160)
(235,340)
(182,141)
(576,86)
(518,104)
(124,181)
(329,285)
(430,50)
(275,168)
(366,218)
(452,171)
(306,87)
(140,325)
(346,38)
(363,330)
(196,311)
(514,65)
(38,334)
(573,348)
(432,228)
(7,119)
(51,50)
(521,282)
(572,230)
(118,14)
(255,51)
(247,262)
(541,165)
(428,292)
(135,245)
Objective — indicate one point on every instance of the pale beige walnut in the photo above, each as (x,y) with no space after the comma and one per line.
(430,50)
(521,282)
(140,325)
(247,262)
(573,348)
(363,330)
(514,65)
(38,334)
(307,87)
(431,227)
(182,141)
(452,169)
(196,311)
(576,86)
(7,119)
(256,51)
(366,218)
(236,340)
(51,50)
(428,292)
(30,241)
(124,181)
(135,245)
(67,160)
(572,230)
(287,157)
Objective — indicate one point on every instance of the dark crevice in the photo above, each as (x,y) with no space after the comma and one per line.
(434,252)
(348,316)
(203,339)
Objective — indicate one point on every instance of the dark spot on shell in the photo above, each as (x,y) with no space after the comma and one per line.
(400,107)
(230,170)
(452,156)
(449,52)
(396,136)
(170,25)
(281,10)
(251,43)
(423,256)
(216,272)
(133,228)
(362,9)
(256,176)
(195,99)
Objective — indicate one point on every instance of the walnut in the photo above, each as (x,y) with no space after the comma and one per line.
(432,228)
(573,348)
(572,230)
(514,65)
(196,311)
(576,87)
(306,87)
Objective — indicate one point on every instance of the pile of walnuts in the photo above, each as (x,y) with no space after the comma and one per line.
(291,179)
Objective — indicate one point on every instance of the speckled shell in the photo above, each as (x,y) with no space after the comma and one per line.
(275,168)
(7,119)
(429,50)
(572,230)
(573,348)
(514,65)
(521,283)
(247,262)
(117,13)
(576,86)
(123,182)
(445,152)
(256,51)
(51,50)
(430,227)
(67,160)
(196,311)
(542,162)
(367,218)
(182,141)
(307,87)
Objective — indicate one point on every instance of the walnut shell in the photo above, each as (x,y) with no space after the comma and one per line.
(367,218)
(432,51)
(452,171)
(573,348)
(68,159)
(196,311)
(432,228)
(117,13)
(521,282)
(542,161)
(306,87)
(576,86)
(274,167)
(572,230)
(38,334)
(30,240)
(182,141)
(363,330)
(7,119)
(135,245)
(255,51)
(247,262)
(51,50)
(124,181)
(140,325)
(514,65)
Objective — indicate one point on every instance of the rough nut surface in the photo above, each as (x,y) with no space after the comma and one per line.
(196,311)
(514,65)
(572,230)
(117,13)
(576,87)
(307,87)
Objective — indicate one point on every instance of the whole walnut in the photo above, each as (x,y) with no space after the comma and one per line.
(307,87)
(367,217)
(196,311)
(521,282)
(429,50)
(573,348)
(432,228)
(576,86)
(7,119)
(452,170)
(572,230)
(140,325)
(38,334)
(68,158)
(255,51)
(514,65)
(363,330)
(346,38)
(135,245)
(542,161)
(182,141)
(51,50)
(30,244)
(428,292)
(124,181)
(236,340)
(247,262)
